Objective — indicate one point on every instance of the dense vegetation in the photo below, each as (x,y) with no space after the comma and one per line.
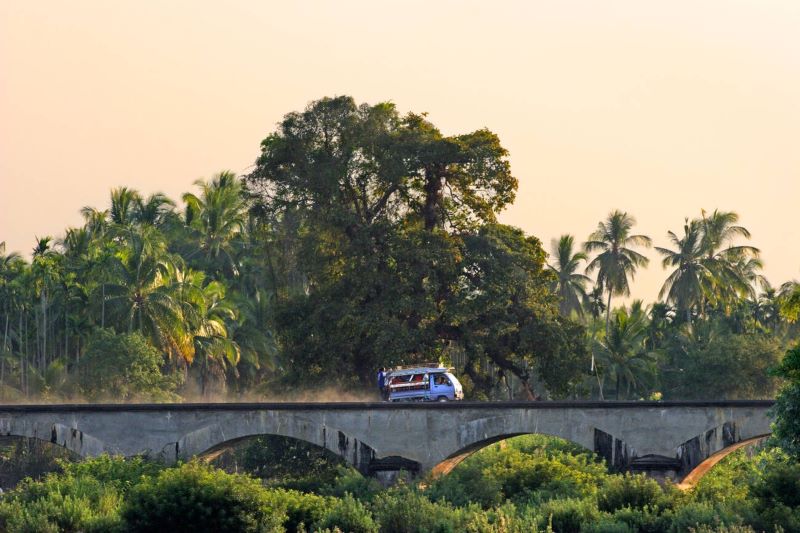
(526,484)
(364,238)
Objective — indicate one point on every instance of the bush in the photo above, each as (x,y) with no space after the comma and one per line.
(350,481)
(348,514)
(61,502)
(301,510)
(530,468)
(566,516)
(117,471)
(637,491)
(196,497)
(406,511)
(777,497)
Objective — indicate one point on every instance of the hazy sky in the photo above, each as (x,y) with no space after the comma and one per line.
(657,108)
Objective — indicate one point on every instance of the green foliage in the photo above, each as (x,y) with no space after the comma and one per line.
(119,472)
(404,510)
(349,481)
(124,367)
(726,365)
(524,469)
(68,502)
(777,497)
(567,515)
(786,428)
(348,514)
(636,491)
(284,461)
(195,497)
(301,510)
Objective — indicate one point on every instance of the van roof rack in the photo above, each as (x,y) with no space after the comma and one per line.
(402,370)
(419,365)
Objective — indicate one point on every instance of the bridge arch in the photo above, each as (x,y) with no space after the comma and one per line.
(76,441)
(214,438)
(447,465)
(699,471)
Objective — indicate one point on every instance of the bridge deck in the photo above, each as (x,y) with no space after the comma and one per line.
(345,406)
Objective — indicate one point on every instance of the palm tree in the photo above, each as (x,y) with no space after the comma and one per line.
(570,286)
(206,313)
(45,271)
(140,289)
(623,355)
(218,217)
(616,261)
(9,264)
(123,205)
(721,257)
(688,284)
(154,210)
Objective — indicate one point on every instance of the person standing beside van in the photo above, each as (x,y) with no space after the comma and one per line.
(382,383)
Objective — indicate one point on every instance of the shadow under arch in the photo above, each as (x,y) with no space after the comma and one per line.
(271,456)
(30,457)
(212,440)
(448,464)
(692,478)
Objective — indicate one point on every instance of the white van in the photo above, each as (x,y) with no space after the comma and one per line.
(425,383)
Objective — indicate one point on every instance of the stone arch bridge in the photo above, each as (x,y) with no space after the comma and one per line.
(668,439)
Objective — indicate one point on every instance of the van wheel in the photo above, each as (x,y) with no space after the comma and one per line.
(441,399)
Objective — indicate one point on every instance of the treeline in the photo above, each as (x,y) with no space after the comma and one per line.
(366,238)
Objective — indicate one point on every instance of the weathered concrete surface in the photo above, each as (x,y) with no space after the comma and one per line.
(650,436)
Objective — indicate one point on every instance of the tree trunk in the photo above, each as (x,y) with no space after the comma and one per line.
(608,314)
(44,329)
(433,197)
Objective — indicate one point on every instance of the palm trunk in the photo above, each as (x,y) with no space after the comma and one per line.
(21,357)
(5,343)
(44,329)
(608,314)
(103,307)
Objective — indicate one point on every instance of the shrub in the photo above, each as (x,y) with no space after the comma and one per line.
(117,471)
(700,514)
(566,516)
(348,514)
(527,468)
(195,497)
(403,510)
(301,510)
(635,491)
(61,502)
(349,481)
(777,497)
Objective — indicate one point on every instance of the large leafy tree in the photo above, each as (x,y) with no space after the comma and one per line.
(352,165)
(616,262)
(504,310)
(379,202)
(570,285)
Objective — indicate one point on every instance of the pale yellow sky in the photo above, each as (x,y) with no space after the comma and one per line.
(657,108)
